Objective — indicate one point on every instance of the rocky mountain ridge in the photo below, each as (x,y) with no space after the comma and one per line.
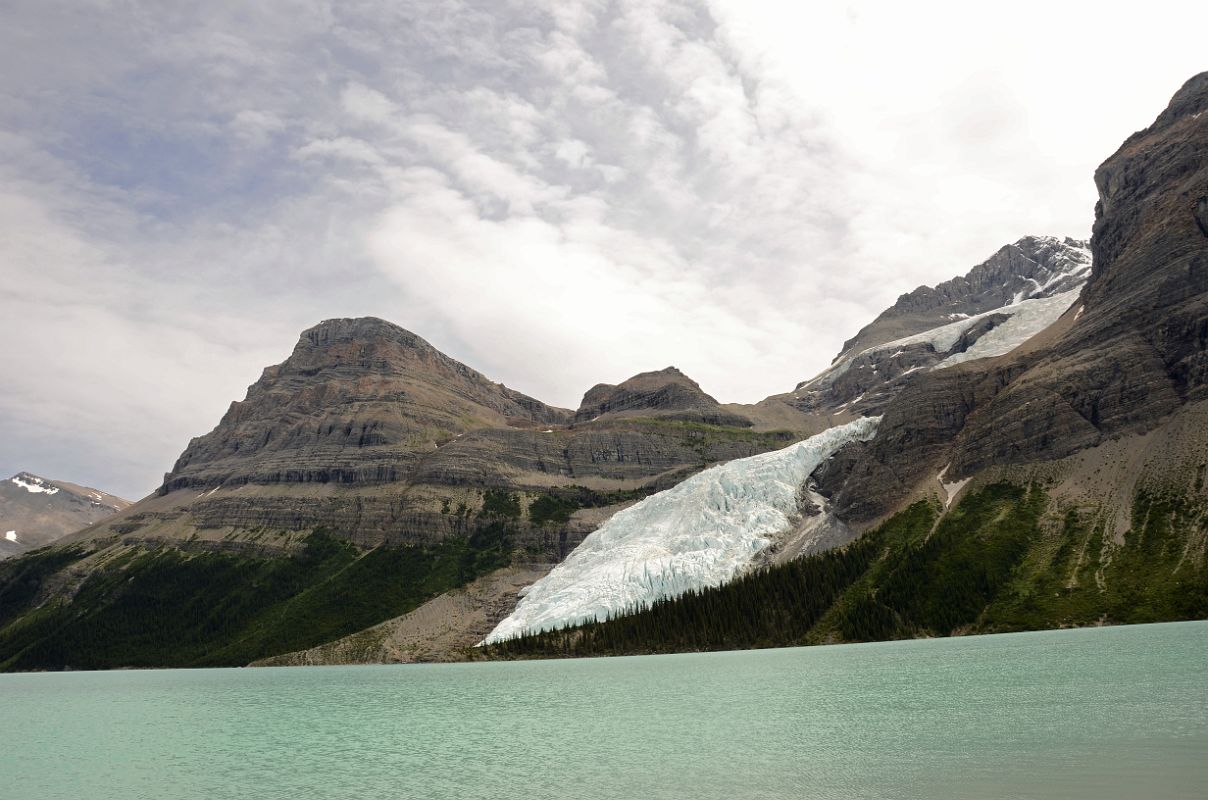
(368,430)
(1015,294)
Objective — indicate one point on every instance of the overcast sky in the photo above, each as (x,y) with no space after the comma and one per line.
(555,193)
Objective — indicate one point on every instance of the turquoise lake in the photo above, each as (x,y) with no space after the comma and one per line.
(1096,713)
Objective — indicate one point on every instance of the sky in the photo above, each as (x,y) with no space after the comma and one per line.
(556,193)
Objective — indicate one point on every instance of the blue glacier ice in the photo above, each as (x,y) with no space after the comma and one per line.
(702,532)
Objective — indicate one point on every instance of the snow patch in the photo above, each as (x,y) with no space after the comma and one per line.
(1028,318)
(702,532)
(35,485)
(951,490)
(11,536)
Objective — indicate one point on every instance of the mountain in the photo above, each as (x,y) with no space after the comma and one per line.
(667,394)
(684,540)
(361,479)
(1128,361)
(1013,295)
(36,511)
(369,431)
(1019,448)
(1062,482)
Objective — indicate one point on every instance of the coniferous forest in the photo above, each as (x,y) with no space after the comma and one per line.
(995,563)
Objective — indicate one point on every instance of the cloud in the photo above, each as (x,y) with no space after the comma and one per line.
(557,193)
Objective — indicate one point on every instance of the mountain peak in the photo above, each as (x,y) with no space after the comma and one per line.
(663,391)
(366,329)
(1018,291)
(1031,267)
(33,483)
(360,400)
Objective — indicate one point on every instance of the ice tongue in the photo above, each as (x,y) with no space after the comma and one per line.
(702,532)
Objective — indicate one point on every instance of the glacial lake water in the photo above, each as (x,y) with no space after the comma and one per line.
(1099,713)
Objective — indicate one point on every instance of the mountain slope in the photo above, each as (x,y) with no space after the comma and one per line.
(36,511)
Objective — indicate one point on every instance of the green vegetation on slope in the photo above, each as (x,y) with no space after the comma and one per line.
(555,506)
(167,608)
(992,564)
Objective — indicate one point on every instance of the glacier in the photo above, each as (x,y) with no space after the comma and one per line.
(702,532)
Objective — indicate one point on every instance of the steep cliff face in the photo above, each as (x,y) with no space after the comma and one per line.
(36,511)
(1137,352)
(1126,356)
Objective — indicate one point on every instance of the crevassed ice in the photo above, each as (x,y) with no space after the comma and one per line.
(702,532)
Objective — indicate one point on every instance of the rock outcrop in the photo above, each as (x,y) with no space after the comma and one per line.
(667,393)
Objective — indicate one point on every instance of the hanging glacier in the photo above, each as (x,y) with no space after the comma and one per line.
(702,532)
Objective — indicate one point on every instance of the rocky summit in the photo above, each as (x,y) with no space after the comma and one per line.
(359,401)
(667,393)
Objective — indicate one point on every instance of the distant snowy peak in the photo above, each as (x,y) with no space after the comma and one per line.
(1032,267)
(702,532)
(35,511)
(1001,303)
